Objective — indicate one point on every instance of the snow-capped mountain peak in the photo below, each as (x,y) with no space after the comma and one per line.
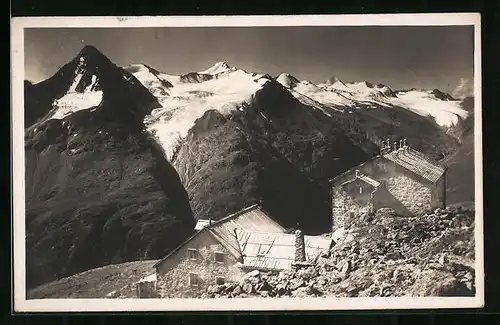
(217,68)
(287,80)
(88,81)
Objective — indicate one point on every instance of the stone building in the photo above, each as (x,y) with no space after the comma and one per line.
(225,250)
(400,178)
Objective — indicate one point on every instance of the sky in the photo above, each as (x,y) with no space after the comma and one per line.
(401,57)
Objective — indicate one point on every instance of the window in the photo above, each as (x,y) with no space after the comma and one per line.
(219,280)
(219,257)
(192,253)
(193,279)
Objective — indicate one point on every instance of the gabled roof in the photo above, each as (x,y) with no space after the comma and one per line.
(252,218)
(365,179)
(179,247)
(409,159)
(369,180)
(276,251)
(417,163)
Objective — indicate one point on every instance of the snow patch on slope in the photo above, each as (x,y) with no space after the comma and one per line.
(156,83)
(445,112)
(74,101)
(335,93)
(188,102)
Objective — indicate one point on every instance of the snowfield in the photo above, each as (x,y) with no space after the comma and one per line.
(184,100)
(337,94)
(445,112)
(187,102)
(72,102)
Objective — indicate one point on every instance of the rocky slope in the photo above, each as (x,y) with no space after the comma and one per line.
(460,186)
(98,189)
(380,256)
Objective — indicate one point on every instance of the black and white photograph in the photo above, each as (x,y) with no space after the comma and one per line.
(247,163)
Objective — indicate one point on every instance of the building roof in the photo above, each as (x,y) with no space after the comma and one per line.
(179,247)
(252,218)
(201,223)
(365,179)
(276,251)
(410,159)
(369,180)
(417,163)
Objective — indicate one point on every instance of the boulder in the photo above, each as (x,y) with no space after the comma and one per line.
(296,283)
(237,290)
(302,292)
(248,288)
(263,286)
(439,283)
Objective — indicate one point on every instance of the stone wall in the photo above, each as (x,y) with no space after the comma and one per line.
(439,193)
(402,191)
(413,195)
(173,273)
(363,197)
(345,208)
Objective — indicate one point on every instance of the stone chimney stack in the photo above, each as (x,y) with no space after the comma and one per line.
(395,146)
(300,249)
(404,144)
(357,173)
(388,144)
(210,221)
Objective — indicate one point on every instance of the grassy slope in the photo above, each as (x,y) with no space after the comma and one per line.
(95,283)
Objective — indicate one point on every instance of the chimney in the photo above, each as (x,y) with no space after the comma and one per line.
(300,250)
(210,221)
(357,173)
(388,144)
(404,144)
(400,144)
(395,146)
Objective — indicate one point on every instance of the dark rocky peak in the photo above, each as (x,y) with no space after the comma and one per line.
(91,52)
(91,70)
(274,100)
(267,76)
(386,90)
(195,77)
(441,95)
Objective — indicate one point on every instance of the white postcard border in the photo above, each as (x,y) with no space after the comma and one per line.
(21,304)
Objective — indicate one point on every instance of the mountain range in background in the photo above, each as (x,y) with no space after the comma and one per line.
(122,161)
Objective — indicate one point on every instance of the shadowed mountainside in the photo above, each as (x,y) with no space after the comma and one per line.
(98,189)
